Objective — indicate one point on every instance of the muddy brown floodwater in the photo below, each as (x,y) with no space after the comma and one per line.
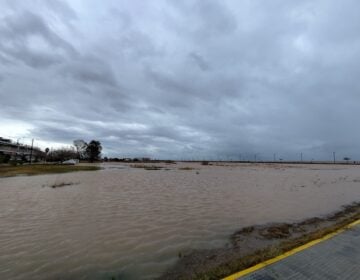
(132,223)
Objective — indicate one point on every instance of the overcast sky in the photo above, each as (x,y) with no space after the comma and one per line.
(183,79)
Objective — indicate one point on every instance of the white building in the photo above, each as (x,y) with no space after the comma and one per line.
(17,150)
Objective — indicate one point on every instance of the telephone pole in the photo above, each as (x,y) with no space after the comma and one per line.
(334,157)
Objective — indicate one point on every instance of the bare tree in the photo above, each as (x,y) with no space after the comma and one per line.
(80,146)
(61,154)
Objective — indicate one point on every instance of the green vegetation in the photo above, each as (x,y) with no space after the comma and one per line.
(4,158)
(36,169)
(93,150)
(84,151)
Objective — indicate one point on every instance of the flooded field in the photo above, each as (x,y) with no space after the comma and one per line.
(134,223)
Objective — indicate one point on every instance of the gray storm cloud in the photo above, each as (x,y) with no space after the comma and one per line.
(184,79)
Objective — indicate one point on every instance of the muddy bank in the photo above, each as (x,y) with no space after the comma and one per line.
(251,245)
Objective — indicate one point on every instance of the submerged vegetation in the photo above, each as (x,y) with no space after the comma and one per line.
(62,184)
(186,168)
(37,169)
(158,167)
(147,167)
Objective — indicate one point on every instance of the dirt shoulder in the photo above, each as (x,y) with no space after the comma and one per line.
(252,245)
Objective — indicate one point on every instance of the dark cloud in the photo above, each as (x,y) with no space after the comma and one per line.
(199,61)
(90,69)
(207,19)
(184,79)
(61,9)
(26,37)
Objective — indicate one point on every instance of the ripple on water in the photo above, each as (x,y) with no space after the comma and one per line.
(132,222)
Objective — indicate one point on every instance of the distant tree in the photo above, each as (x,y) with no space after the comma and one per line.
(4,158)
(80,146)
(347,159)
(23,158)
(93,150)
(61,154)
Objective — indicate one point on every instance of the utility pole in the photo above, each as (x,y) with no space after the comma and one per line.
(255,157)
(17,144)
(334,157)
(274,157)
(31,151)
(301,157)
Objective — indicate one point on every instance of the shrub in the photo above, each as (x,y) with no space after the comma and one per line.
(4,158)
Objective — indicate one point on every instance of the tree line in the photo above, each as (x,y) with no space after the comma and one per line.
(83,151)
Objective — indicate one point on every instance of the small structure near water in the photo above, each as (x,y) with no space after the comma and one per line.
(71,162)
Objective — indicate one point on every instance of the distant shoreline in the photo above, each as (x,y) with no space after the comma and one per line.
(210,162)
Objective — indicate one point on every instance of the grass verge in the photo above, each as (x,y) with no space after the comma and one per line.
(37,169)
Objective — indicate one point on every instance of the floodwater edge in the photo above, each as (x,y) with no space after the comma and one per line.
(266,242)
